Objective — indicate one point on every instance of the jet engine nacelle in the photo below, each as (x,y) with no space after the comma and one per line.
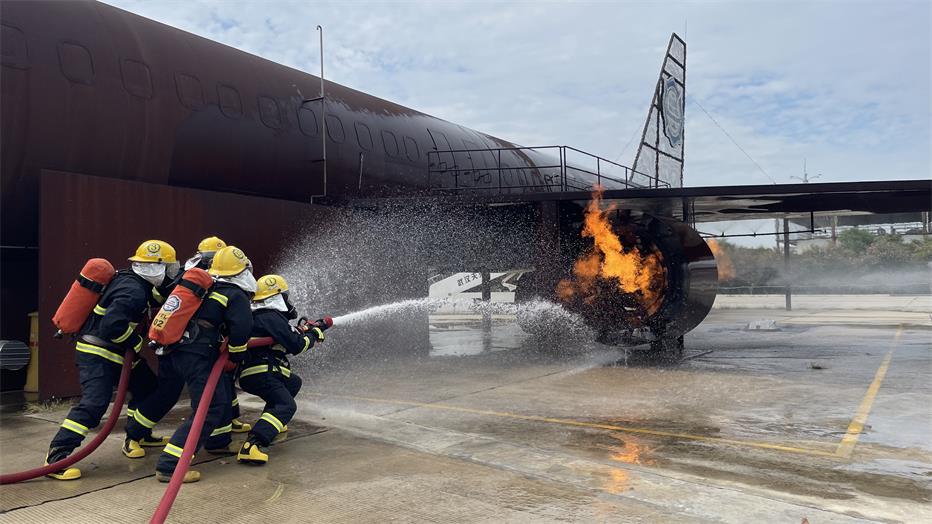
(682,295)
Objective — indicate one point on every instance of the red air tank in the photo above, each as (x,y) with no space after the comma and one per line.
(170,322)
(83,296)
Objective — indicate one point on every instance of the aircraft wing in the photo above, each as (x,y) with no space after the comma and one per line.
(718,203)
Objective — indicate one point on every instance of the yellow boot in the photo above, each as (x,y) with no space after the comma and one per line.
(252,453)
(240,427)
(189,476)
(65,474)
(132,449)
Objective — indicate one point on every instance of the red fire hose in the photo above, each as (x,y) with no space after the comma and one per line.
(165,505)
(88,448)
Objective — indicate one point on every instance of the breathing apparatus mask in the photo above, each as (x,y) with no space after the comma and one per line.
(153,272)
(201,260)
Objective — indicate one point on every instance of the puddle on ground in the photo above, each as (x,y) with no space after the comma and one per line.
(823,477)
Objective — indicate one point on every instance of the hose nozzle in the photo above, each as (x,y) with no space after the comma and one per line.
(324,323)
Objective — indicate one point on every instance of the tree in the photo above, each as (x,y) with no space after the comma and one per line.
(856,240)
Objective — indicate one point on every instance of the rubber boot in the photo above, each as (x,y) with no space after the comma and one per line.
(189,476)
(240,427)
(253,453)
(65,474)
(132,449)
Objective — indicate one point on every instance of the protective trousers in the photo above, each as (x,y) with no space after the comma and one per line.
(98,377)
(278,391)
(221,436)
(191,367)
(164,397)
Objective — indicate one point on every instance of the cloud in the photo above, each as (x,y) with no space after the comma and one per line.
(844,85)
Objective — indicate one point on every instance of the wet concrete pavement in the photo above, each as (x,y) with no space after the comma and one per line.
(751,426)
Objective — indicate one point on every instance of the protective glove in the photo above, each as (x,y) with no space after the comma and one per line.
(317,334)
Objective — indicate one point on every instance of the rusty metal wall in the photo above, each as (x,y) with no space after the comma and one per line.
(85,216)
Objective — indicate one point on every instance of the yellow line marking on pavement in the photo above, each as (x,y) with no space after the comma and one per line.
(570,422)
(856,427)
(278,492)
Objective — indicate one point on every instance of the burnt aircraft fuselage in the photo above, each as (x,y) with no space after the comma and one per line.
(94,90)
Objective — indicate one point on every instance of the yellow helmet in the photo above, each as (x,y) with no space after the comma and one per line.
(211,245)
(154,251)
(269,286)
(229,261)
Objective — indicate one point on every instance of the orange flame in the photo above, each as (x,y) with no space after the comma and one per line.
(726,269)
(635,273)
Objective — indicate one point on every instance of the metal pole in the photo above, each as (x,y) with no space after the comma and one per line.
(786,264)
(323,108)
(487,310)
(499,170)
(361,160)
(598,170)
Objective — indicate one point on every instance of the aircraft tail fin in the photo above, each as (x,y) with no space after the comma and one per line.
(659,160)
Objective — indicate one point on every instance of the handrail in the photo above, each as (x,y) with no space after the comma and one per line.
(563,175)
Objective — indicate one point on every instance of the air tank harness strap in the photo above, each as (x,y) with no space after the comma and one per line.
(199,292)
(87,283)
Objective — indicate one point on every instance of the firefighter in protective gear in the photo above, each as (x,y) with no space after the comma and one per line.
(220,442)
(206,250)
(265,371)
(225,312)
(101,343)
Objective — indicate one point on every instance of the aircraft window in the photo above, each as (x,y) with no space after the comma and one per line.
(390,143)
(363,136)
(230,102)
(136,78)
(76,63)
(335,129)
(13,47)
(189,91)
(411,150)
(269,112)
(307,121)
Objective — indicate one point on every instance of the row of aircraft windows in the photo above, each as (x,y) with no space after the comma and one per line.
(77,66)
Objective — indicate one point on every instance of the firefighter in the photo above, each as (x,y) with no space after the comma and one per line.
(265,371)
(101,344)
(224,312)
(220,441)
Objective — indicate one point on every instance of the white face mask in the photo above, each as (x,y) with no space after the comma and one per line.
(192,262)
(153,272)
(276,302)
(244,281)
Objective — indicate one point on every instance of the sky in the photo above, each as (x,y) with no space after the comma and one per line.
(843,86)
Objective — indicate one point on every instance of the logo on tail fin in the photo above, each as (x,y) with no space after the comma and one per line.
(672,110)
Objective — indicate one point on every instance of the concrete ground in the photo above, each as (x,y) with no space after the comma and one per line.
(828,422)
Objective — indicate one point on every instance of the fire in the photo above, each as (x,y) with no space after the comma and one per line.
(634,273)
(726,269)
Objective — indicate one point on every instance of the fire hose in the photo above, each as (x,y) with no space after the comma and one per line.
(174,486)
(88,448)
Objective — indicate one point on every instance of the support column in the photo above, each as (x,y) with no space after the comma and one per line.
(486,311)
(786,264)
